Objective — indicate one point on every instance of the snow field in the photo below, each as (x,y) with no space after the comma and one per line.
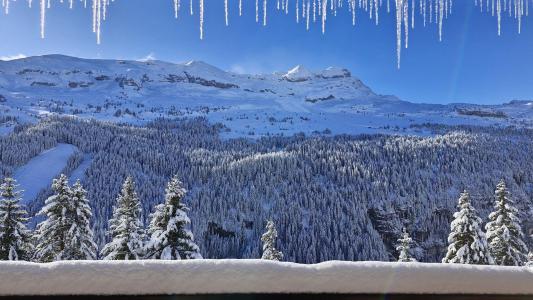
(38,173)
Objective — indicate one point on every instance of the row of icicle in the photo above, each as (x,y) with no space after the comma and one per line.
(307,11)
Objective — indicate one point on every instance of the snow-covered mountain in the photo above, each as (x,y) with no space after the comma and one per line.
(299,100)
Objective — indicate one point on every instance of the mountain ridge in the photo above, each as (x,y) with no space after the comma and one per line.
(281,103)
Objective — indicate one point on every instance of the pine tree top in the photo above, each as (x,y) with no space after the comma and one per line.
(269,243)
(404,247)
(8,189)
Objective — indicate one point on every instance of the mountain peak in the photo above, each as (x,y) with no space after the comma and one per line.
(298,73)
(200,67)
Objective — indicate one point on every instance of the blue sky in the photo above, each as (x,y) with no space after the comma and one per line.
(471,64)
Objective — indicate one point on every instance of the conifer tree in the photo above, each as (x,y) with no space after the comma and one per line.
(170,239)
(467,241)
(125,227)
(504,233)
(404,247)
(80,243)
(15,239)
(269,243)
(529,259)
(52,233)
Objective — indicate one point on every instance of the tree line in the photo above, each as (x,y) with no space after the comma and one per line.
(500,244)
(65,232)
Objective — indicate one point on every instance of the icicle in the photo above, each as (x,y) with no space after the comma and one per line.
(99,20)
(307,14)
(94,16)
(201,19)
(413,14)
(406,21)
(257,11)
(176,8)
(441,16)
(104,9)
(226,12)
(399,17)
(314,11)
(438,11)
(324,13)
(264,12)
(352,3)
(297,12)
(376,11)
(499,14)
(424,9)
(43,17)
(431,11)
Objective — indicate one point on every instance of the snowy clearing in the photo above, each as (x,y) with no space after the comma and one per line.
(155,277)
(79,172)
(38,173)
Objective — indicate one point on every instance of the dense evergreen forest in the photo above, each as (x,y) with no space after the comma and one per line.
(341,197)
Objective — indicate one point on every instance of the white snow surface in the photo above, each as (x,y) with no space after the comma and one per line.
(157,277)
(298,73)
(282,103)
(38,173)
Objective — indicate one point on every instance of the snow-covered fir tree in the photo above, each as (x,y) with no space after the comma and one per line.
(15,238)
(170,239)
(51,234)
(79,243)
(269,243)
(504,233)
(404,248)
(125,227)
(529,259)
(467,241)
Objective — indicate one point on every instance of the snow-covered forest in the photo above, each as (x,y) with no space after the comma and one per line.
(342,197)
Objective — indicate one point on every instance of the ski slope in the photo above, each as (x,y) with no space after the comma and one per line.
(79,172)
(39,172)
(156,277)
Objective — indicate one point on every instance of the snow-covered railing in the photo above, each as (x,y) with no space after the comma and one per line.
(156,277)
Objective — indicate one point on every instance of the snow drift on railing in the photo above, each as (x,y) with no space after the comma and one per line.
(156,277)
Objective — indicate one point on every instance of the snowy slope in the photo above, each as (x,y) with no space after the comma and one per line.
(299,100)
(38,173)
(79,172)
(153,277)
